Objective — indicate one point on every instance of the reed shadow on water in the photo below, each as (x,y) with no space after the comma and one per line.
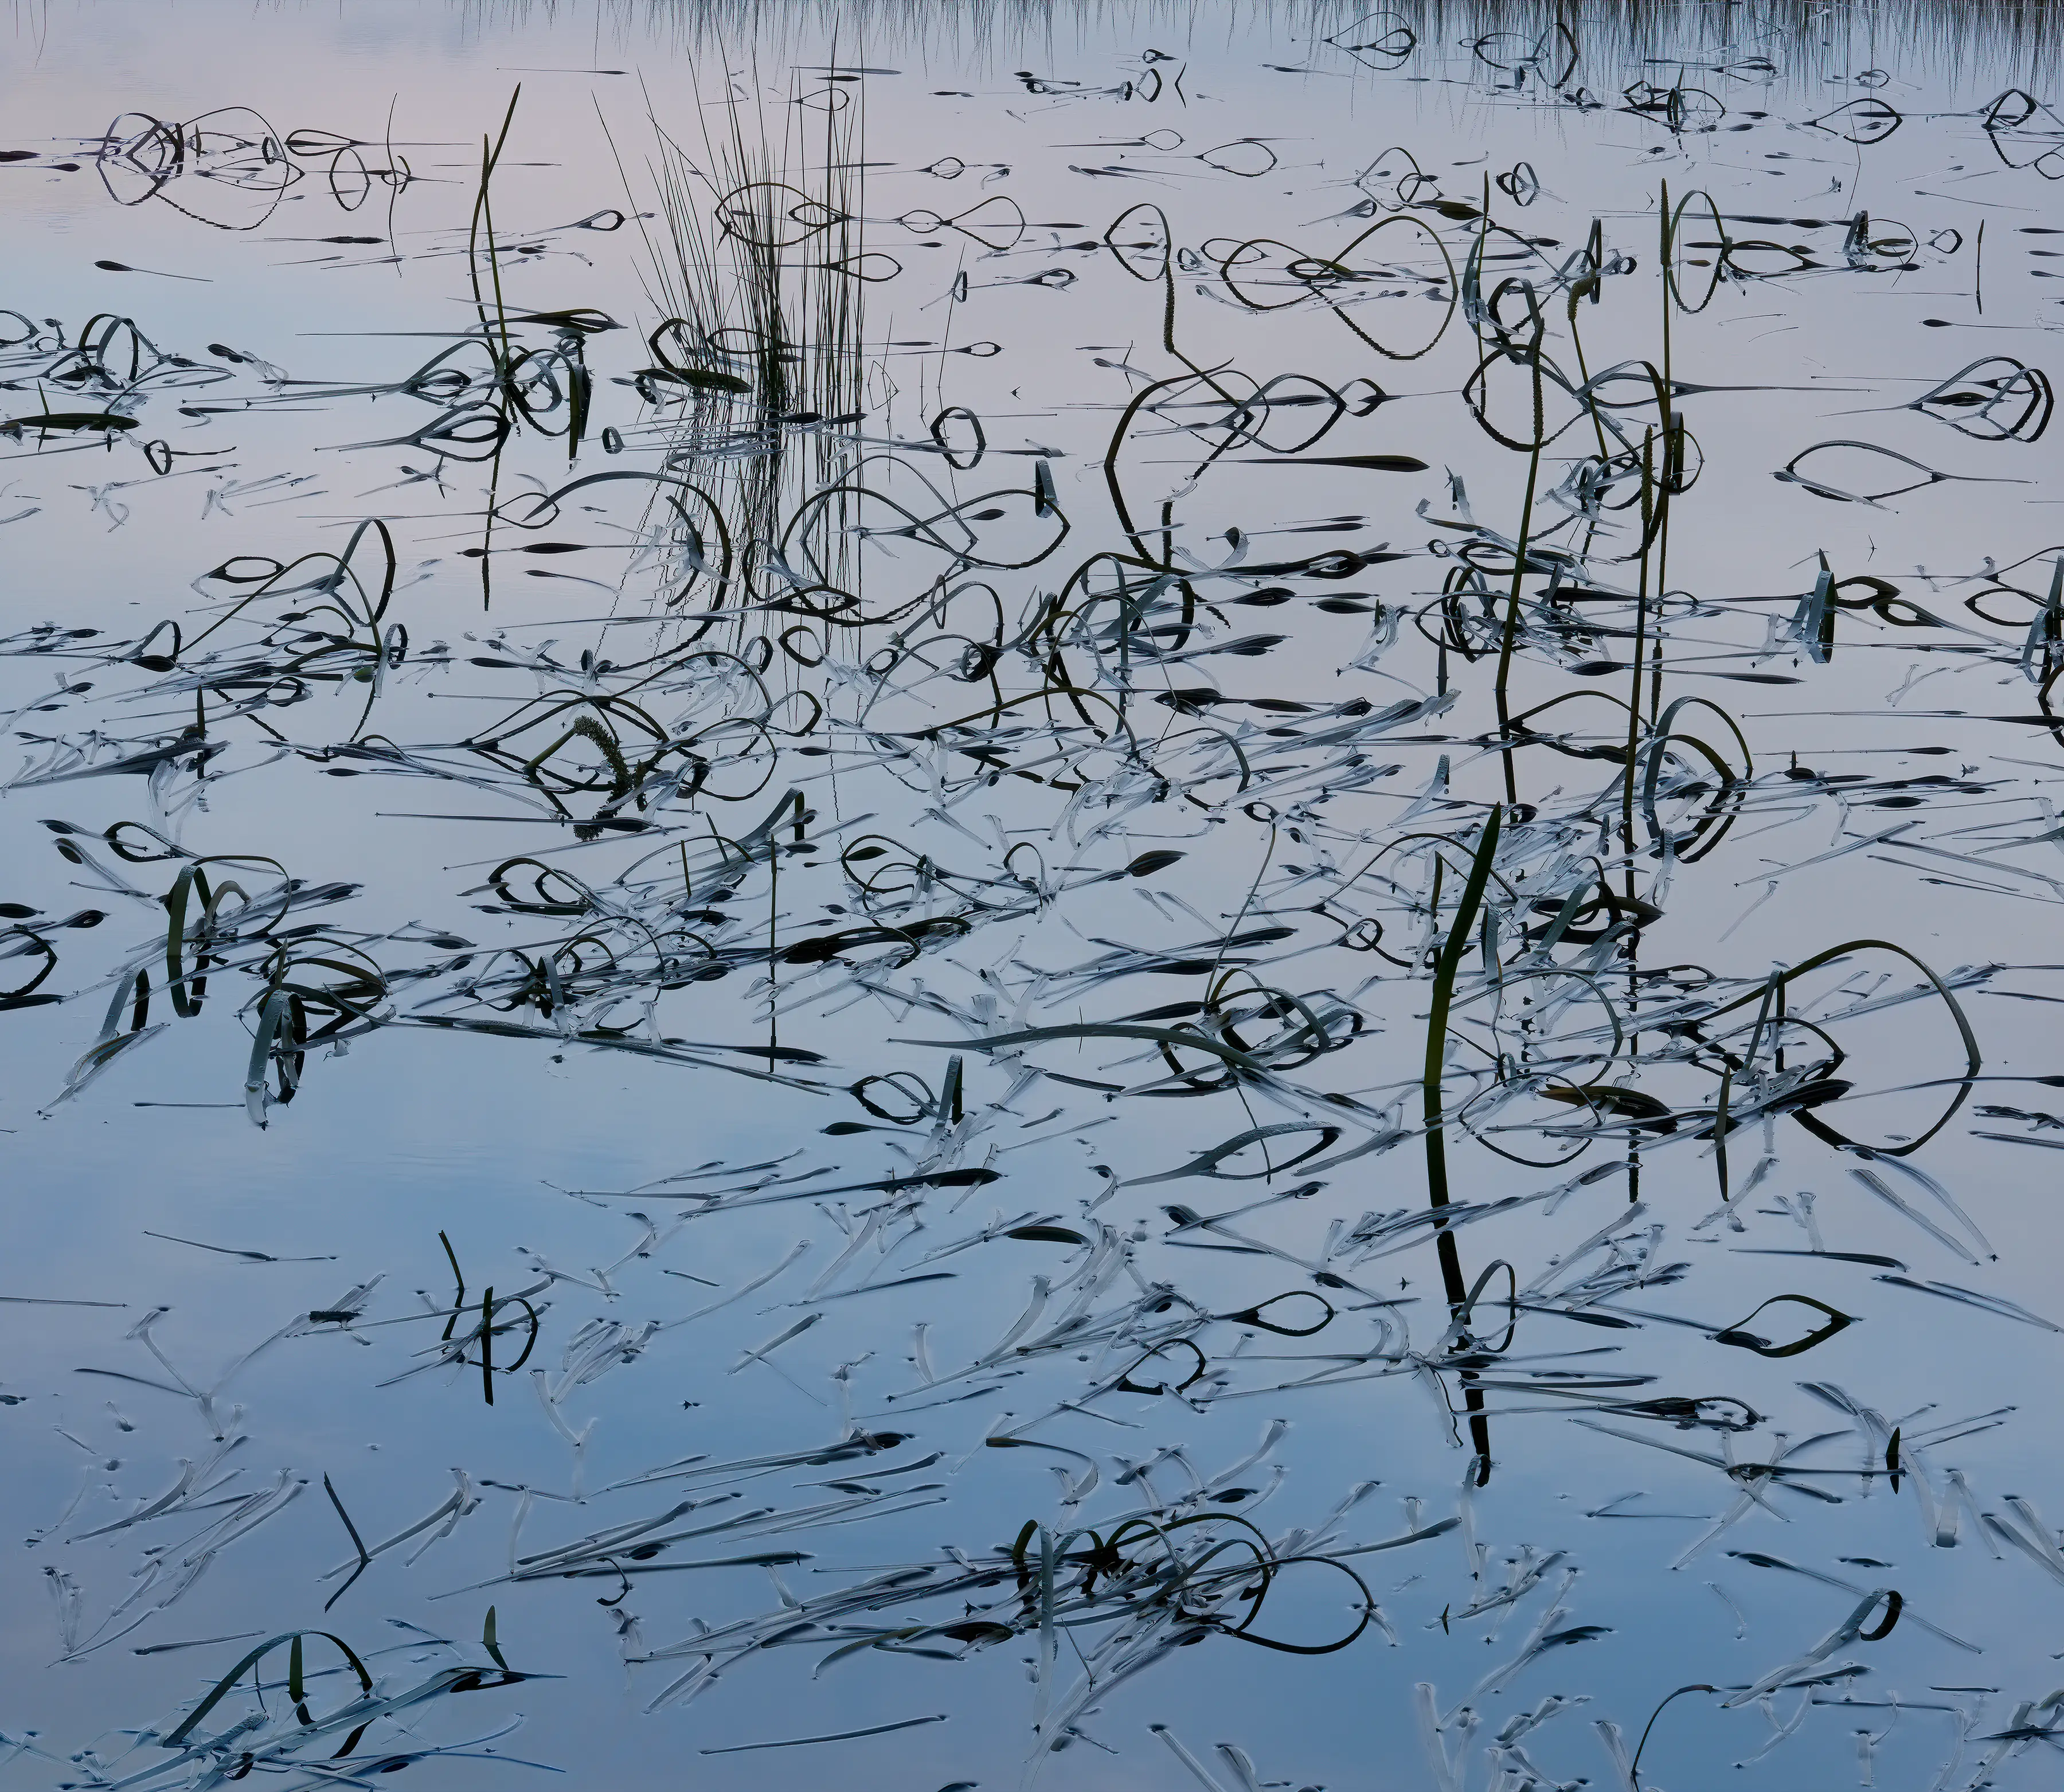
(947,913)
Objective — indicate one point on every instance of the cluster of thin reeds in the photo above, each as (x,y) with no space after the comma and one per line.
(757,274)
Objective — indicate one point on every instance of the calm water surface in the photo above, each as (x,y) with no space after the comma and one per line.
(1111,898)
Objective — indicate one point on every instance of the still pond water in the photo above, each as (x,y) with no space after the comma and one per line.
(1112,897)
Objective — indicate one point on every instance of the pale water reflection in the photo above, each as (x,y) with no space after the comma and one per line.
(1115,896)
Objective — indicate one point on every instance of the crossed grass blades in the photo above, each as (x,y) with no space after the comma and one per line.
(854,627)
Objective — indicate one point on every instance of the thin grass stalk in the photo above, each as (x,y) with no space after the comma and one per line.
(1444,970)
(1511,630)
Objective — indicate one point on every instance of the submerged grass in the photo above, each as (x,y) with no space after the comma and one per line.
(901,710)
